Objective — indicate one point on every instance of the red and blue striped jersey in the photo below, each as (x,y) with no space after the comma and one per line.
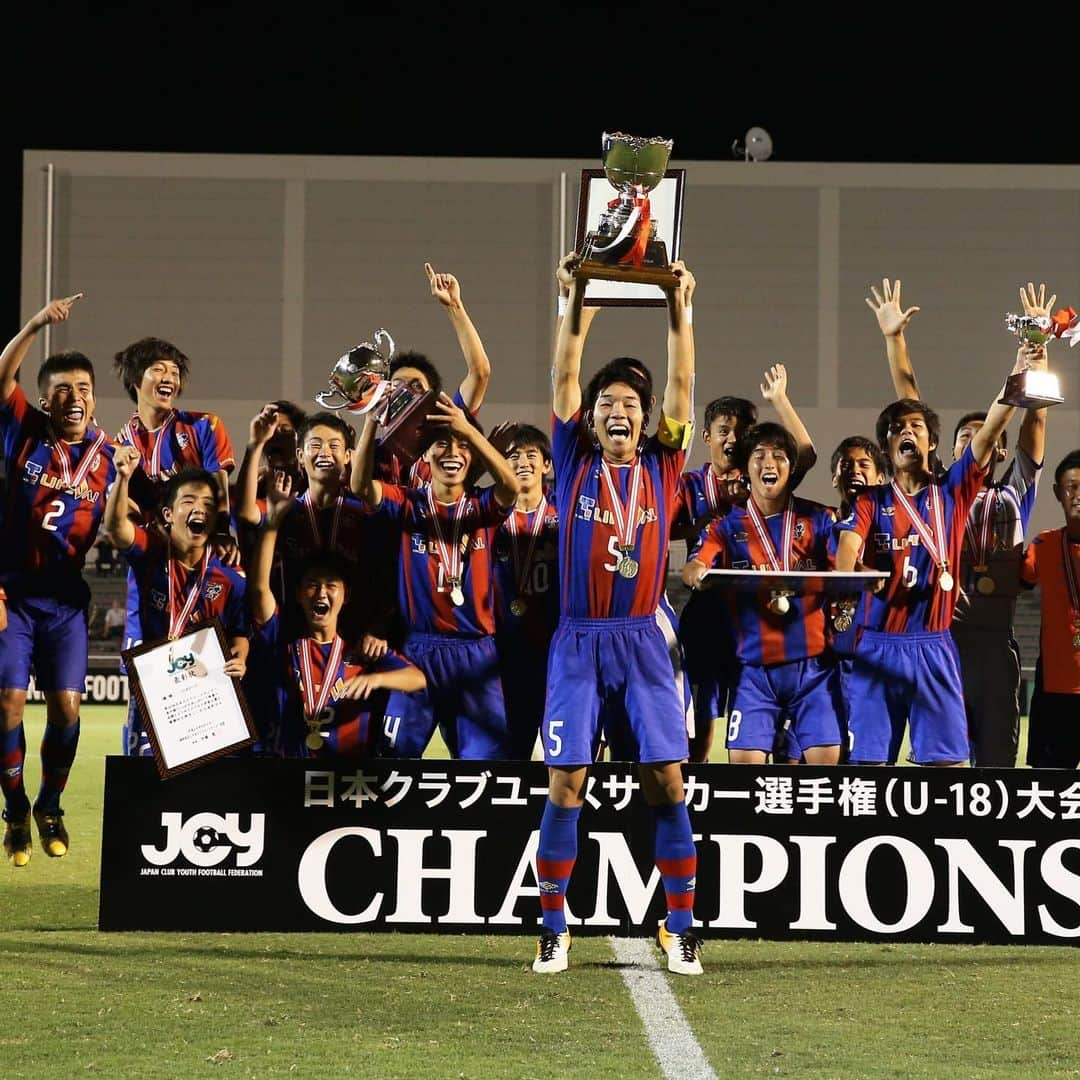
(589,541)
(51,509)
(698,500)
(912,600)
(186,440)
(221,594)
(540,592)
(351,727)
(764,637)
(424,586)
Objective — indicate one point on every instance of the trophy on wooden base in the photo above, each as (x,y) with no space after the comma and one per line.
(1037,389)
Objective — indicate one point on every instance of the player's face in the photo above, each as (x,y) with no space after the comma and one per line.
(192,515)
(279,455)
(909,443)
(413,378)
(321,596)
(1068,494)
(855,471)
(449,458)
(160,385)
(966,434)
(324,454)
(770,472)
(617,420)
(722,437)
(69,401)
(529,467)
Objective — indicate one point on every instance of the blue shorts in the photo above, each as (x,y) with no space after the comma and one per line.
(51,635)
(523,665)
(899,679)
(807,691)
(464,697)
(612,668)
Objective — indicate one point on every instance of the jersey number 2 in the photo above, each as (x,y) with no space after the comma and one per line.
(52,514)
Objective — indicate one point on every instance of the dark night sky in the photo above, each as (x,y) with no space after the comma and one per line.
(876,86)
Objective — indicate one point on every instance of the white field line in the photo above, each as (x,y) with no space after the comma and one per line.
(672,1042)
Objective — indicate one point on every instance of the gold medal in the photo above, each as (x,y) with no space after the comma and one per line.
(628,568)
(946,581)
(518,607)
(842,622)
(985,585)
(314,739)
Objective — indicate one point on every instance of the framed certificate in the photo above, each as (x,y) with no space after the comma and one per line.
(193,711)
(666,207)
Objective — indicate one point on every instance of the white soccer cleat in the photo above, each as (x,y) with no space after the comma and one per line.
(683,950)
(552,952)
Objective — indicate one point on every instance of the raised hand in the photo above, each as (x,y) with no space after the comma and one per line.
(56,311)
(686,282)
(263,425)
(451,415)
(1036,303)
(501,435)
(774,388)
(372,647)
(444,287)
(126,459)
(891,317)
(564,272)
(279,498)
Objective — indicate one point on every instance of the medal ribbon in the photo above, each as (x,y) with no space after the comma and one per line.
(60,448)
(1070,576)
(313,519)
(307,679)
(636,255)
(980,547)
(451,558)
(625,516)
(151,467)
(762,529)
(521,569)
(712,492)
(927,534)
(177,621)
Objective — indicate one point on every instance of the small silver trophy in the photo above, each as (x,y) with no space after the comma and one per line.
(361,377)
(1031,389)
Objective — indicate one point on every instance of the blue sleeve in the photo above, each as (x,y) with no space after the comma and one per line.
(236,617)
(565,451)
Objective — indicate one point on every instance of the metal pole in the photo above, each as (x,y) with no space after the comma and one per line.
(50,178)
(562,215)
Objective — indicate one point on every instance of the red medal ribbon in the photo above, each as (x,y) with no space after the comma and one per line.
(60,449)
(313,706)
(762,529)
(927,534)
(152,465)
(177,621)
(1070,577)
(450,558)
(313,519)
(626,524)
(521,569)
(980,547)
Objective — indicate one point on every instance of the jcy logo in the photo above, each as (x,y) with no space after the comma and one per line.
(207,839)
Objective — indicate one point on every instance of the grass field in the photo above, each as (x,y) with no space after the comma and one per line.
(77,1002)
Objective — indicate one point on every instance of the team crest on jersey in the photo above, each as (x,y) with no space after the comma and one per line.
(33,472)
(887,511)
(419,545)
(800,529)
(586,505)
(213,590)
(159,599)
(741,538)
(182,439)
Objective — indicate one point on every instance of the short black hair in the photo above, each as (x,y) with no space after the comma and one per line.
(419,361)
(623,369)
(859,442)
(430,433)
(527,437)
(326,419)
(131,363)
(766,434)
(893,412)
(325,562)
(744,411)
(967,418)
(71,360)
(1070,461)
(293,411)
(187,476)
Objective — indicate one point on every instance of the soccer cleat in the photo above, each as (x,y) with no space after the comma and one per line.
(683,950)
(17,844)
(552,952)
(51,832)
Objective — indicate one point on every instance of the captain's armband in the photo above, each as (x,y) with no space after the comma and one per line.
(675,434)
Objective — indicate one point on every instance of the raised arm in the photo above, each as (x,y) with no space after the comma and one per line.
(680,346)
(892,320)
(260,431)
(445,289)
(279,500)
(116,521)
(572,330)
(774,391)
(361,477)
(1032,437)
(998,415)
(507,485)
(15,352)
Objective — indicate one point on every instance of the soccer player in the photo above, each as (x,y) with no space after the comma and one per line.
(179,581)
(329,701)
(785,669)
(906,670)
(615,496)
(58,465)
(989,572)
(445,585)
(526,587)
(1052,561)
